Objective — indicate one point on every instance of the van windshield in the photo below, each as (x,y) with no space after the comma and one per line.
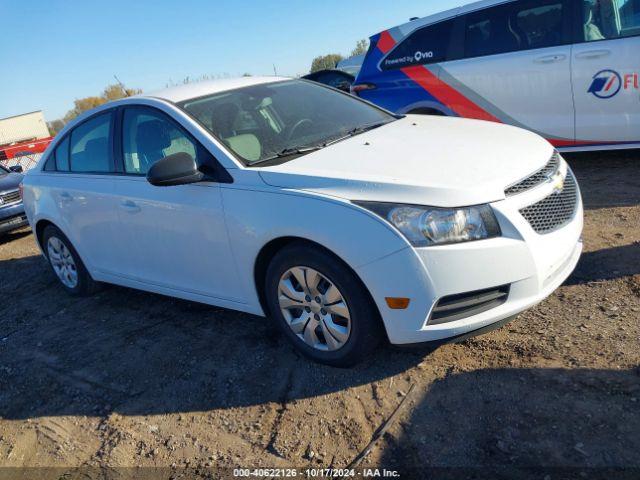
(275,122)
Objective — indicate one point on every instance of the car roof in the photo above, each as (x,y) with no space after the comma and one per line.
(446,14)
(187,91)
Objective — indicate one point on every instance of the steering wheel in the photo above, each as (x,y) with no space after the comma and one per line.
(297,125)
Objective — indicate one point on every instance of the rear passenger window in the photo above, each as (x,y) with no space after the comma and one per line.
(62,156)
(609,19)
(90,145)
(515,26)
(424,46)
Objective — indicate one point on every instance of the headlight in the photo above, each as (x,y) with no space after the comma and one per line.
(425,226)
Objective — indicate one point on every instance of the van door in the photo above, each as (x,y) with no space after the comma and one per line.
(606,72)
(515,68)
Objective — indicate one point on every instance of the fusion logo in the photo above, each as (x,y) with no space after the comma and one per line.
(606,84)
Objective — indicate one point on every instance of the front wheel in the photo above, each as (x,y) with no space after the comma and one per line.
(321,306)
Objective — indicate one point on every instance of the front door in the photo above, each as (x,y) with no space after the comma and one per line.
(171,237)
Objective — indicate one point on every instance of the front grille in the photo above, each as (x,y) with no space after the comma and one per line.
(463,305)
(538,178)
(554,211)
(10,197)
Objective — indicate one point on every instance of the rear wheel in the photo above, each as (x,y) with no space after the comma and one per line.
(66,263)
(321,306)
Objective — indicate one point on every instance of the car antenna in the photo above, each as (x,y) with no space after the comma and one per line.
(413,18)
(124,90)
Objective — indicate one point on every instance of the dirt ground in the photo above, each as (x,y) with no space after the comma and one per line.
(127,378)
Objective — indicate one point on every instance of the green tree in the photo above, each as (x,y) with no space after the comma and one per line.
(361,48)
(55,126)
(111,92)
(326,62)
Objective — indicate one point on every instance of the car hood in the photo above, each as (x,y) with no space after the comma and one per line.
(438,161)
(10,181)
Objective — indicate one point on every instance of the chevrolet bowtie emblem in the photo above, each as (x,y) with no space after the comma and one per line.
(558,182)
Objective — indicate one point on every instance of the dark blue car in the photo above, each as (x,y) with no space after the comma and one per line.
(11,209)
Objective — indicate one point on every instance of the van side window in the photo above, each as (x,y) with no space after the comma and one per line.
(515,26)
(424,46)
(609,19)
(91,146)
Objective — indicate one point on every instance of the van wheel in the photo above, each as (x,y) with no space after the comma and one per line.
(321,306)
(66,263)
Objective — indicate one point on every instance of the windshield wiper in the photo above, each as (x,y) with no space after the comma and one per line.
(302,150)
(289,152)
(353,132)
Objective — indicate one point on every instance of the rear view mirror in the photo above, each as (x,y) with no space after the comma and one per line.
(177,169)
(16,169)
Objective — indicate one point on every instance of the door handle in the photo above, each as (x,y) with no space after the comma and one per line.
(551,58)
(129,206)
(66,197)
(593,54)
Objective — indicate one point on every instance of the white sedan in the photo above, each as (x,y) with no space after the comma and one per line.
(343,223)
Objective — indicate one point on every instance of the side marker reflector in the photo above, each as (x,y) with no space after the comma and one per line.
(397,303)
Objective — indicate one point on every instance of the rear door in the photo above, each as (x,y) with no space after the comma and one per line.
(84,189)
(515,68)
(606,71)
(170,237)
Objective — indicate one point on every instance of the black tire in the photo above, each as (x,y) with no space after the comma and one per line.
(85,285)
(366,326)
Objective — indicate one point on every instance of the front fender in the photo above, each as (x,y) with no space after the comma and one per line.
(255,218)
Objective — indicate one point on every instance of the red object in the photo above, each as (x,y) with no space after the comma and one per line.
(385,42)
(31,147)
(361,87)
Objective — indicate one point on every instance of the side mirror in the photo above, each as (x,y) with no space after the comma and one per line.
(16,169)
(177,169)
(344,86)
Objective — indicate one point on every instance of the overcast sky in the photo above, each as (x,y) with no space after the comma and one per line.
(54,51)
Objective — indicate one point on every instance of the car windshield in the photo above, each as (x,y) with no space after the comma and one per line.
(3,171)
(275,122)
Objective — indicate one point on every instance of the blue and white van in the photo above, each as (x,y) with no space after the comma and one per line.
(566,69)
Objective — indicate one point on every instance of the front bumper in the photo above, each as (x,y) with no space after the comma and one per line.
(533,265)
(12,217)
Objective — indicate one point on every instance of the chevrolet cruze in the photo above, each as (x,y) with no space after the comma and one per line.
(343,223)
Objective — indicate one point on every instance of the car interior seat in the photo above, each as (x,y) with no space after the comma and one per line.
(95,154)
(591,30)
(152,137)
(224,118)
(223,121)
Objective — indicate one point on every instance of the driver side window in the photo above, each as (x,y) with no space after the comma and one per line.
(148,136)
